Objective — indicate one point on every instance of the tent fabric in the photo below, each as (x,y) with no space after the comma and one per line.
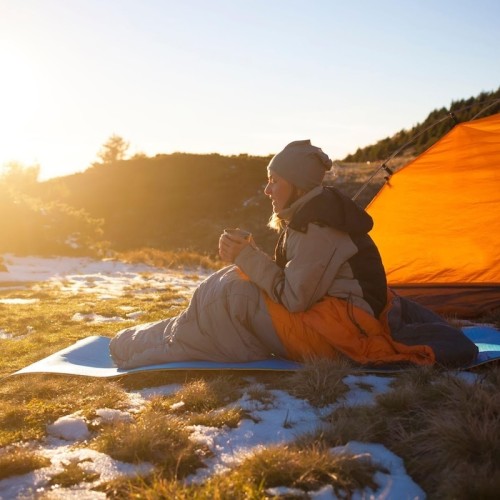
(437,220)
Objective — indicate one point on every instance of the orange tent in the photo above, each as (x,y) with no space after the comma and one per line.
(437,222)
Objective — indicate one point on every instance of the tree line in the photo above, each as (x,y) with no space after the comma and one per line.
(423,135)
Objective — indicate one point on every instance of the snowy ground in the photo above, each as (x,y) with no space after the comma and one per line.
(111,279)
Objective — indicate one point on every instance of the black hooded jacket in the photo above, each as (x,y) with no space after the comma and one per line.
(334,209)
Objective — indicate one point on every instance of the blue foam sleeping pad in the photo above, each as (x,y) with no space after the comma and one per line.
(90,357)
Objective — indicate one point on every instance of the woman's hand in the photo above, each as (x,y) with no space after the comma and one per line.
(230,246)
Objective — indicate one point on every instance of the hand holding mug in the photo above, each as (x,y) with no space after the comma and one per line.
(232,242)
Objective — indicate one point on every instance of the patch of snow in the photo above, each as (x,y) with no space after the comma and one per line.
(358,396)
(41,268)
(137,399)
(281,491)
(35,484)
(278,422)
(11,336)
(396,483)
(106,278)
(469,377)
(13,287)
(178,405)
(77,492)
(5,335)
(18,301)
(110,415)
(70,428)
(162,390)
(126,308)
(135,315)
(325,493)
(96,318)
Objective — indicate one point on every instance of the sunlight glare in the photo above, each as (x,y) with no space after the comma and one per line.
(18,92)
(21,107)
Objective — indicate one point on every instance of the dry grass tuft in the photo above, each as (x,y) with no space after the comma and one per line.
(467,481)
(320,382)
(204,402)
(440,424)
(135,381)
(15,460)
(168,259)
(205,395)
(491,375)
(153,437)
(259,392)
(307,469)
(218,487)
(71,475)
(493,318)
(353,423)
(229,417)
(460,428)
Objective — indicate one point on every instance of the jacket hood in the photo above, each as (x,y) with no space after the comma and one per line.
(335,209)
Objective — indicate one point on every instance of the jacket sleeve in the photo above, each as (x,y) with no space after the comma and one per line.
(314,259)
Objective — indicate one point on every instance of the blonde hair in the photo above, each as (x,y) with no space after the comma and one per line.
(276,223)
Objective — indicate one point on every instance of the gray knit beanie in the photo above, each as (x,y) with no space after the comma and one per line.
(301,164)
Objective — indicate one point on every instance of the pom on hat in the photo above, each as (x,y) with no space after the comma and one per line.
(302,164)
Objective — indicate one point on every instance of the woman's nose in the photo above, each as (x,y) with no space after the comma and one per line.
(267,190)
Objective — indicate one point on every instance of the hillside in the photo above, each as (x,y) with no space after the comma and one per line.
(423,135)
(180,200)
(169,201)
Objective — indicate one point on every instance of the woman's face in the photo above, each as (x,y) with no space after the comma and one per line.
(279,190)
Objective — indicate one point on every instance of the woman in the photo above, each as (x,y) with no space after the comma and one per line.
(324,292)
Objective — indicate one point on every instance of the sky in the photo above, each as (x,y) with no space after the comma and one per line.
(231,76)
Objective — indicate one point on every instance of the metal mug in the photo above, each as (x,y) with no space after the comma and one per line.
(238,232)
